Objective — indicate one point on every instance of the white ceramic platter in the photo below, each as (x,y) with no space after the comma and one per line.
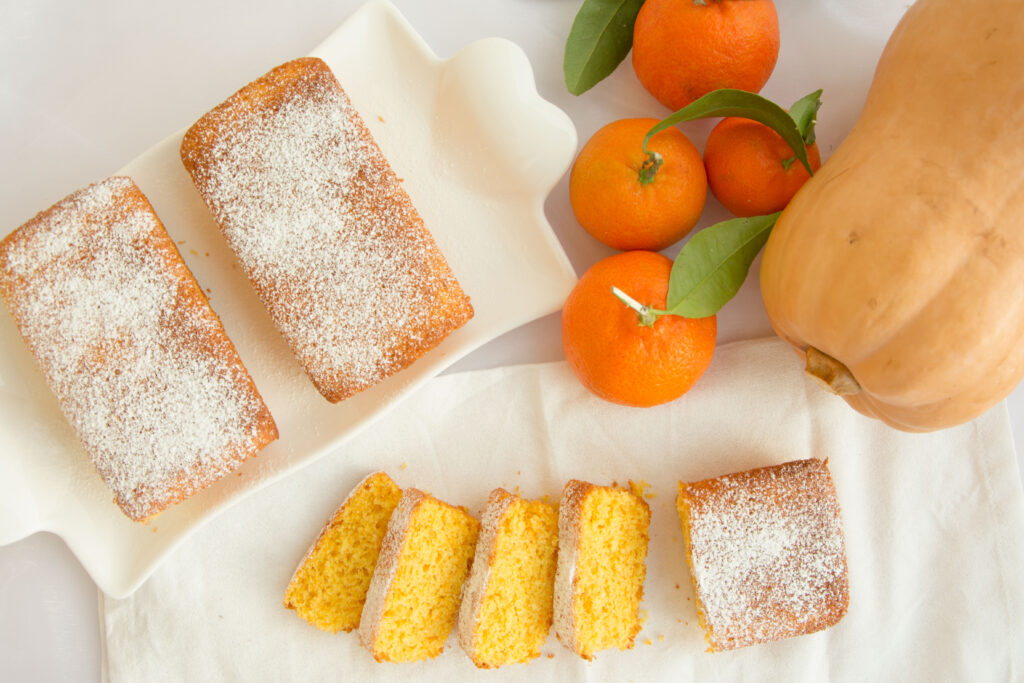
(478,150)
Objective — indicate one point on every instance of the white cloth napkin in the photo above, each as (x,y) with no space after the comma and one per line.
(934,529)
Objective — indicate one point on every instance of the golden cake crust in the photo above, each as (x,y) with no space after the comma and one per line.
(139,362)
(384,572)
(323,228)
(569,531)
(476,585)
(766,553)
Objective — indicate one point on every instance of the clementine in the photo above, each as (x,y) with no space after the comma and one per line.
(751,169)
(629,199)
(683,49)
(615,352)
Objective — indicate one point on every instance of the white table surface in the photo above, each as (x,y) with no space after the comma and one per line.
(86,87)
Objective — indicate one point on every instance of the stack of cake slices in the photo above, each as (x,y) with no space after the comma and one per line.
(413,567)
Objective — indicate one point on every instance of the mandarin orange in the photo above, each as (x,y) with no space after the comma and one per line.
(751,169)
(683,49)
(627,199)
(613,353)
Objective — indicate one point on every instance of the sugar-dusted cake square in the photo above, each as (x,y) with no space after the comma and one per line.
(766,553)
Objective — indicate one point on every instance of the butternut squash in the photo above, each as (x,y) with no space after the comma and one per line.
(898,269)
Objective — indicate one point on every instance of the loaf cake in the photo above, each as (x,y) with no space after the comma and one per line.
(329,586)
(323,228)
(414,594)
(599,582)
(506,607)
(127,341)
(766,553)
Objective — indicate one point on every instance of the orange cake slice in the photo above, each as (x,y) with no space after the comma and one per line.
(507,604)
(329,586)
(323,228)
(599,582)
(127,341)
(414,595)
(766,553)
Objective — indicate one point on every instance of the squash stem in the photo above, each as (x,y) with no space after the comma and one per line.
(832,374)
(647,315)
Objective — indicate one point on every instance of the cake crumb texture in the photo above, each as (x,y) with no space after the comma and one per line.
(413,599)
(599,583)
(329,587)
(766,553)
(506,610)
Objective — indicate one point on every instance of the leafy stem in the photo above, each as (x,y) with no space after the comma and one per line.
(795,127)
(805,113)
(709,269)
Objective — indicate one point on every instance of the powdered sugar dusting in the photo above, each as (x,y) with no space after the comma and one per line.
(766,551)
(139,363)
(323,228)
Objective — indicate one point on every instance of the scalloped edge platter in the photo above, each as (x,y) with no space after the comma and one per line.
(478,150)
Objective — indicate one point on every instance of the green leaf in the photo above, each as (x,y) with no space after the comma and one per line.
(601,37)
(711,267)
(730,102)
(805,112)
